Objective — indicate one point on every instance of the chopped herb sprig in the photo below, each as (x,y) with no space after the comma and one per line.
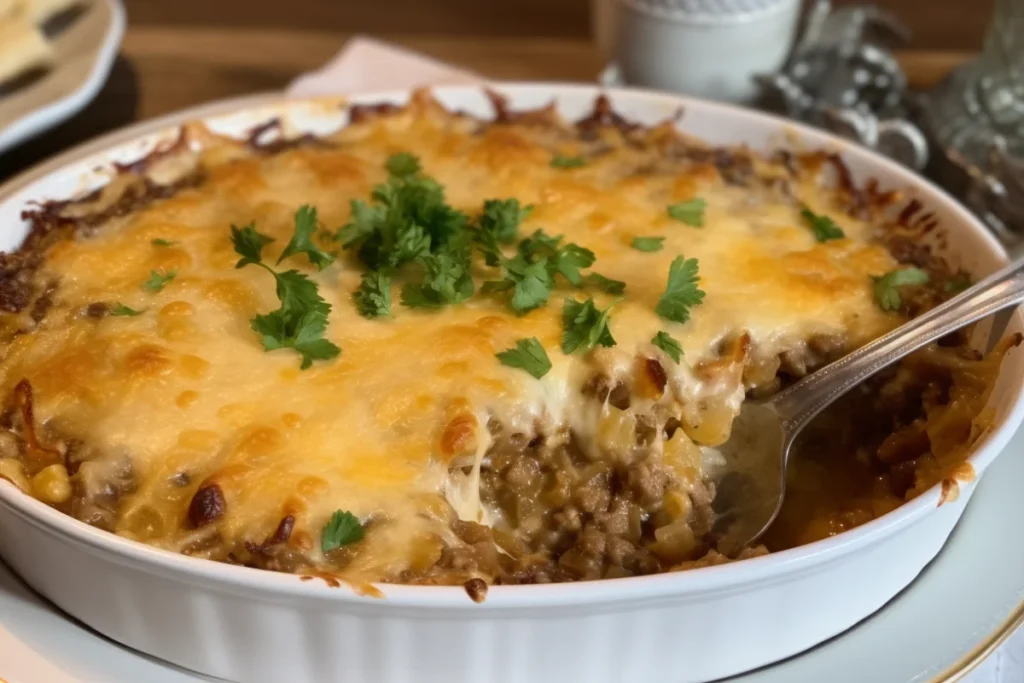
(585,326)
(529,355)
(824,228)
(301,320)
(887,287)
(648,244)
(690,212)
(157,280)
(343,528)
(682,292)
(669,345)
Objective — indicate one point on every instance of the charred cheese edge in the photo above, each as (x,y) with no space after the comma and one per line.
(397,427)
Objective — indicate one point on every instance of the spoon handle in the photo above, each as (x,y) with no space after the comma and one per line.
(798,404)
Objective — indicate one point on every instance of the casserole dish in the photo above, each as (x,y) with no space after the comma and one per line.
(239,624)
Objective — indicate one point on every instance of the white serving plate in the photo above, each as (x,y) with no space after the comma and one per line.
(251,625)
(918,637)
(85,51)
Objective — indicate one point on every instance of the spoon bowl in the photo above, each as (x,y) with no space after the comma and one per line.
(752,483)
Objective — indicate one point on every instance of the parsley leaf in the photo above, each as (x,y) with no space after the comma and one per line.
(121,309)
(489,247)
(957,283)
(301,320)
(403,164)
(539,245)
(690,212)
(887,292)
(302,241)
(605,284)
(408,219)
(669,345)
(648,243)
(249,244)
(160,242)
(562,161)
(531,283)
(157,281)
(529,355)
(531,272)
(824,228)
(501,218)
(682,292)
(570,259)
(373,298)
(448,281)
(584,326)
(566,260)
(343,528)
(362,224)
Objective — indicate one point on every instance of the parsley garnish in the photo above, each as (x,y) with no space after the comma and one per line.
(302,241)
(448,281)
(584,326)
(343,528)
(566,260)
(669,345)
(824,228)
(249,245)
(605,284)
(531,272)
(887,292)
(373,298)
(649,244)
(957,283)
(690,212)
(403,165)
(529,355)
(682,292)
(158,281)
(531,283)
(301,320)
(121,309)
(501,218)
(562,161)
(160,242)
(408,219)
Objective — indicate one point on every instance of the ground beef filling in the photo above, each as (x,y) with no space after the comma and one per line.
(565,517)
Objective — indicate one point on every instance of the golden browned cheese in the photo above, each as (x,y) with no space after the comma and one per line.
(185,394)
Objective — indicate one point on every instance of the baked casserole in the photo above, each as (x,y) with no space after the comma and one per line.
(430,348)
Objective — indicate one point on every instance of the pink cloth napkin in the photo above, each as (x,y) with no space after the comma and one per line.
(368,65)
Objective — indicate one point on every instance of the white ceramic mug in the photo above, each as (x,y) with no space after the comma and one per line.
(708,48)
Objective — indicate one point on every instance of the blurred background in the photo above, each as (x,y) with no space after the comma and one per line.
(937,24)
(179,53)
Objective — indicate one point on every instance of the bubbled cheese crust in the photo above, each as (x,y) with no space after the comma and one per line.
(187,388)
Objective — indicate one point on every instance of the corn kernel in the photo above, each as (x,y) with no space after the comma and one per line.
(52,485)
(617,431)
(678,505)
(12,471)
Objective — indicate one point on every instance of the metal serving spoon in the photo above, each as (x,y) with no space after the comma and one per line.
(753,483)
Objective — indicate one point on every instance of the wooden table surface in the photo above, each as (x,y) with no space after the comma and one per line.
(162,68)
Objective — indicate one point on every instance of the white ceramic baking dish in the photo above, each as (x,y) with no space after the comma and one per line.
(251,625)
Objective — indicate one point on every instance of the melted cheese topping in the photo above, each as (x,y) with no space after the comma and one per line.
(187,388)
